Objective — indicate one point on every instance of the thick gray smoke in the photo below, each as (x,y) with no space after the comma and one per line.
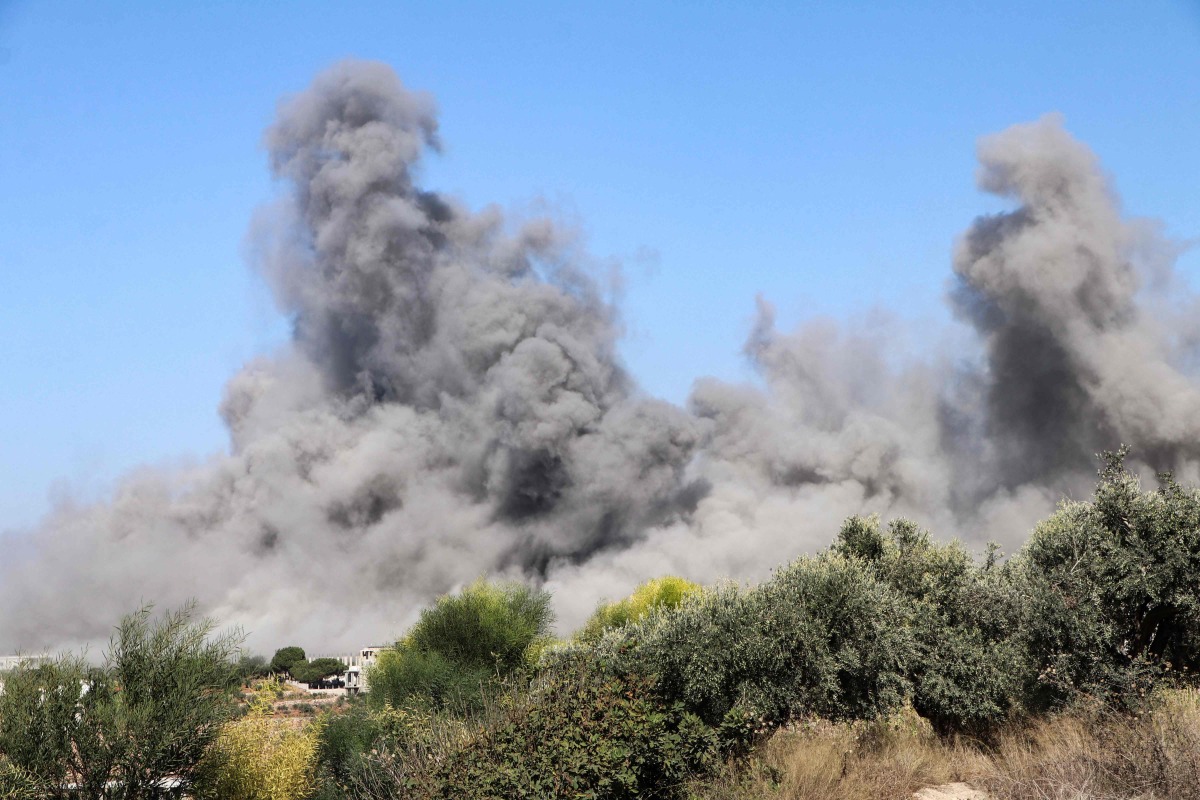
(452,405)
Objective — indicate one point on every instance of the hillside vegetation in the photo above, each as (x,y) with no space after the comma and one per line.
(885,663)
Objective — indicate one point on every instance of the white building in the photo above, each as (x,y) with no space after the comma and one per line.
(356,667)
(12,662)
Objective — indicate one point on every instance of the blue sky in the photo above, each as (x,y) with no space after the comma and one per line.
(818,154)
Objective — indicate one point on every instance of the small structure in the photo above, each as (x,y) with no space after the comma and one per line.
(12,662)
(356,667)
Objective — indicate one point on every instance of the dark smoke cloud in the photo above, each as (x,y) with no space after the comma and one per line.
(452,404)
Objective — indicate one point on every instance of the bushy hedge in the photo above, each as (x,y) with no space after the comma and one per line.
(822,636)
(578,732)
(1113,593)
(967,662)
(461,645)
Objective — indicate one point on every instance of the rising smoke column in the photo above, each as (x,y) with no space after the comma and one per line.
(1074,361)
(1083,343)
(451,404)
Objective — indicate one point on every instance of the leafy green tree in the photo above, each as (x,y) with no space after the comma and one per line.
(967,663)
(1113,590)
(286,657)
(123,729)
(317,669)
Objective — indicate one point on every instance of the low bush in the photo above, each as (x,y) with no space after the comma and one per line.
(578,732)
(259,758)
(461,646)
(822,636)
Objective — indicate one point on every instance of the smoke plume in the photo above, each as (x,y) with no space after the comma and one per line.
(452,404)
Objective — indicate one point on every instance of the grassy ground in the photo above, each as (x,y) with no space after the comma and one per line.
(1083,755)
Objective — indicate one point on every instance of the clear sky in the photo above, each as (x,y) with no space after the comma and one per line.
(818,154)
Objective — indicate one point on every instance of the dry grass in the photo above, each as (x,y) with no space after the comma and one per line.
(1085,755)
(824,761)
(1097,756)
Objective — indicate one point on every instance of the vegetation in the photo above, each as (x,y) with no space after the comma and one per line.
(665,592)
(883,664)
(287,657)
(257,758)
(463,646)
(578,733)
(121,730)
(317,669)
(251,668)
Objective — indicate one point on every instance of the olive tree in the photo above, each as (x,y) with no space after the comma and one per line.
(1113,591)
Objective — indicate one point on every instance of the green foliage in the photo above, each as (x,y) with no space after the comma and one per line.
(406,676)
(1113,590)
(344,739)
(488,625)
(15,784)
(967,663)
(118,730)
(579,732)
(462,645)
(286,657)
(250,668)
(665,592)
(822,636)
(315,670)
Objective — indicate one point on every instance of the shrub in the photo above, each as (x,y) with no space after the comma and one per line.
(15,784)
(257,758)
(252,667)
(967,664)
(147,714)
(407,677)
(488,625)
(821,636)
(342,741)
(1113,590)
(665,592)
(577,733)
(462,645)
